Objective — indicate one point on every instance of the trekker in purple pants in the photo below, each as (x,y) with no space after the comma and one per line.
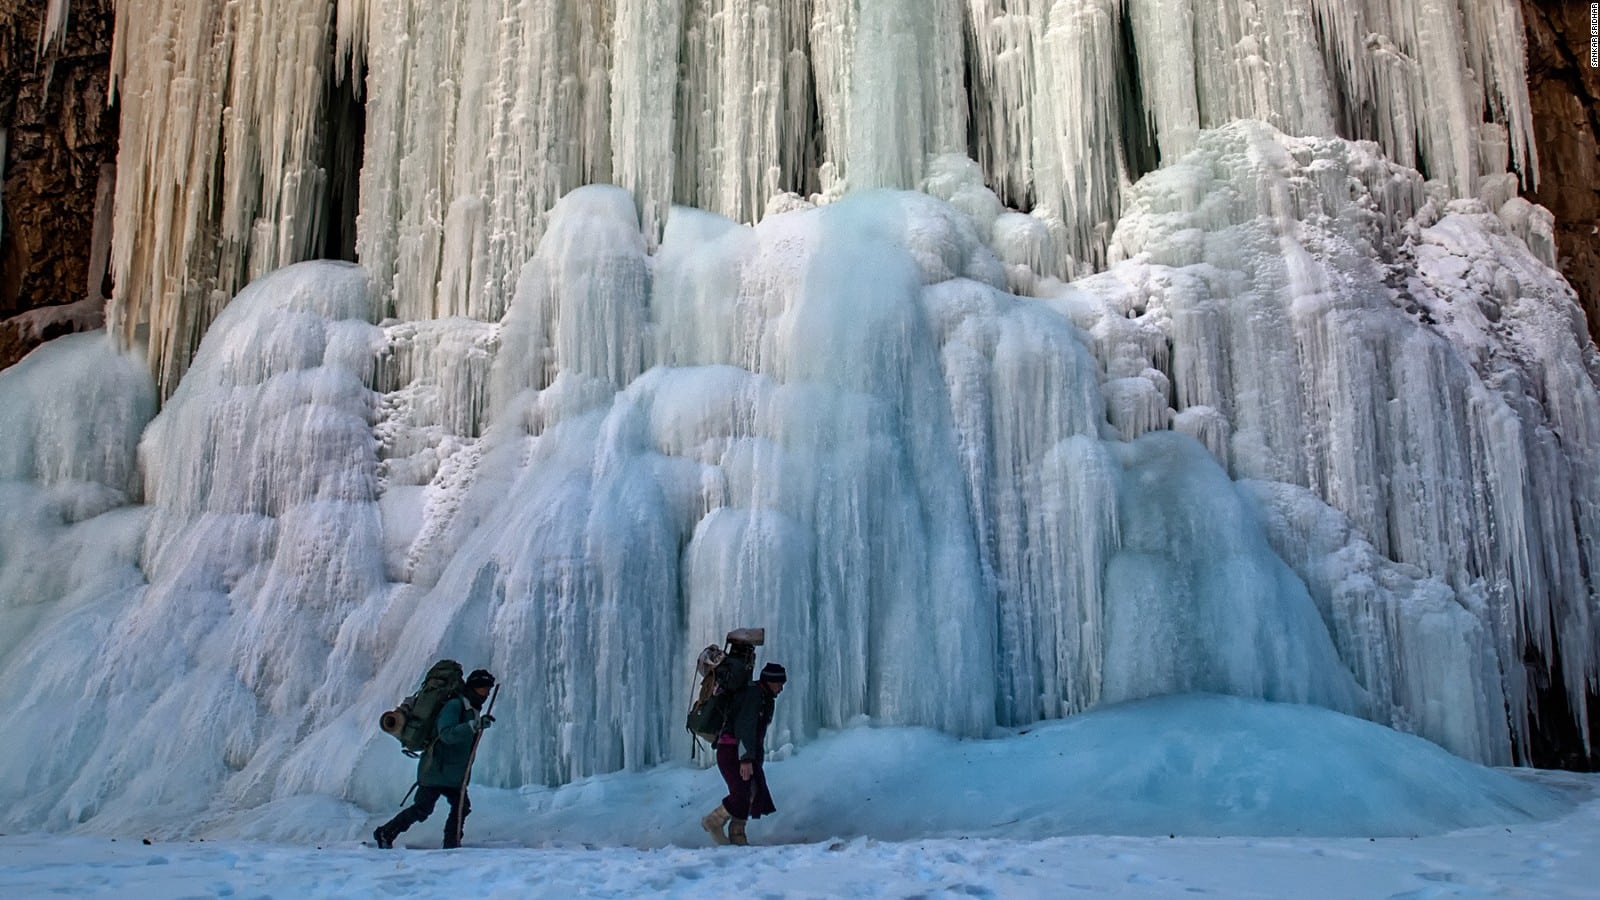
(740,749)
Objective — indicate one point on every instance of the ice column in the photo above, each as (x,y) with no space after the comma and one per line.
(745,107)
(218,179)
(905,92)
(646,36)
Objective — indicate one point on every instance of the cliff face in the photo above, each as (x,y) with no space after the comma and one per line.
(60,140)
(1565,93)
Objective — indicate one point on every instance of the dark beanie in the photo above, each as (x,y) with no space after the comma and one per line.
(774,673)
(480,678)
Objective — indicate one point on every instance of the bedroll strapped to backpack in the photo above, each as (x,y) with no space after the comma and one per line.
(415,721)
(723,672)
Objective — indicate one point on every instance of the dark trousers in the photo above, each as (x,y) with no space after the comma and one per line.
(746,799)
(421,808)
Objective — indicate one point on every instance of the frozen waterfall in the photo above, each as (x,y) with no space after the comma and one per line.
(999,366)
(478,116)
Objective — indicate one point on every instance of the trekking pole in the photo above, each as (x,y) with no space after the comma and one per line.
(461,798)
(694,739)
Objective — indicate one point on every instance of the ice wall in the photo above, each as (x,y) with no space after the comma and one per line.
(172,654)
(1320,317)
(480,115)
(836,424)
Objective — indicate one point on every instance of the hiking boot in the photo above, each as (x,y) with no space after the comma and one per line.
(736,833)
(384,838)
(713,822)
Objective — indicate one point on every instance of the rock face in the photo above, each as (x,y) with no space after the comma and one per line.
(60,140)
(1565,91)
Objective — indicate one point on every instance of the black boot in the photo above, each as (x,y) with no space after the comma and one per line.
(452,833)
(456,825)
(385,834)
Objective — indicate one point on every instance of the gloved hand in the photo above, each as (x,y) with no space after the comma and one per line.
(485,721)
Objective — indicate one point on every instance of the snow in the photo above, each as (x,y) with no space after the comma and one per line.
(82,315)
(1198,792)
(1547,861)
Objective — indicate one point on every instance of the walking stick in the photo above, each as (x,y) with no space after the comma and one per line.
(460,808)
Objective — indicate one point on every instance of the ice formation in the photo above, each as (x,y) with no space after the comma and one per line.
(479,116)
(1322,428)
(52,30)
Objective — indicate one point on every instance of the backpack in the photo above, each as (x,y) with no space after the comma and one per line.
(415,721)
(723,673)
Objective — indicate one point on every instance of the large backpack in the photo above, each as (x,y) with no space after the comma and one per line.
(723,672)
(415,721)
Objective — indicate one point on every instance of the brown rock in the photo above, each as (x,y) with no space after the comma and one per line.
(1565,92)
(59,134)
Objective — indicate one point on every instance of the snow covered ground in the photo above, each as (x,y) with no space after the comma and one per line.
(1551,859)
(1071,807)
(1544,859)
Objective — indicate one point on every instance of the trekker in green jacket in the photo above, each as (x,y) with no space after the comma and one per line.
(442,770)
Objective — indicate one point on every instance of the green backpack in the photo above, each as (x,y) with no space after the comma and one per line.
(415,721)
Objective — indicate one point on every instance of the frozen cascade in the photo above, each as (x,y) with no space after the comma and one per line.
(210,644)
(69,552)
(1195,601)
(867,445)
(479,116)
(1253,284)
(1423,654)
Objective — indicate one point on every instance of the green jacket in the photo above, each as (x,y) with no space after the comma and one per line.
(444,763)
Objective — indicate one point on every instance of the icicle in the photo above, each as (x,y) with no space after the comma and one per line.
(645,46)
(350,19)
(1167,71)
(905,94)
(53,30)
(505,105)
(233,91)
(1077,152)
(100,236)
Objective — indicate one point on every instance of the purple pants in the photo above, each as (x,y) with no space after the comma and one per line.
(746,799)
